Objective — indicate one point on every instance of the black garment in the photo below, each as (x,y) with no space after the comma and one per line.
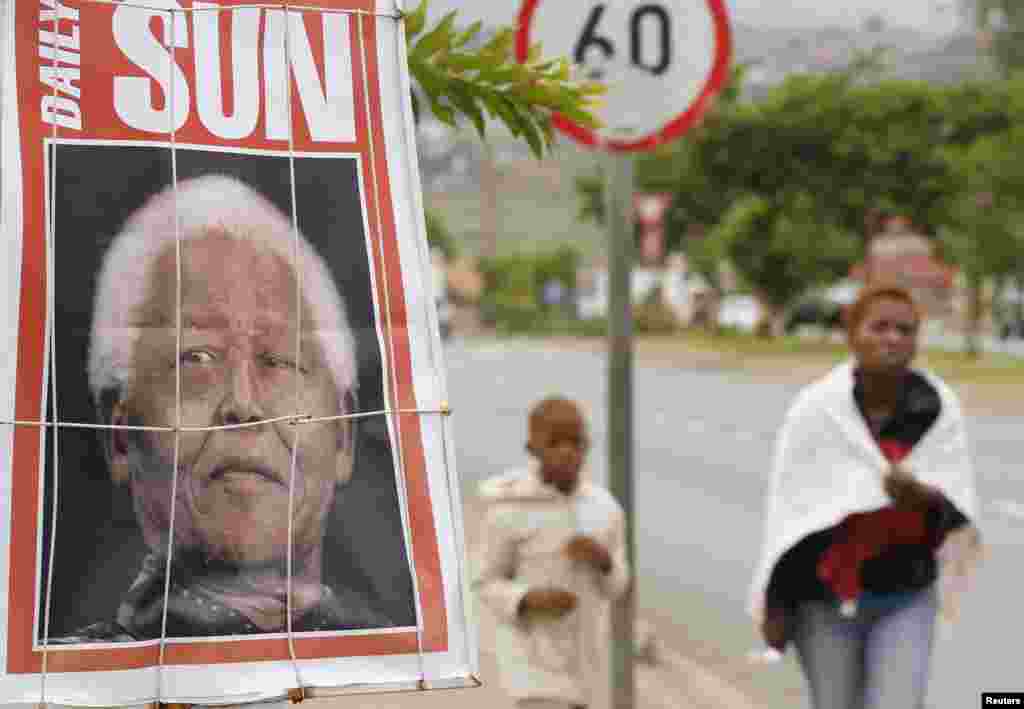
(900,568)
(191,613)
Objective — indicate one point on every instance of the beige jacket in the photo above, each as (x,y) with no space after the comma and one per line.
(526,529)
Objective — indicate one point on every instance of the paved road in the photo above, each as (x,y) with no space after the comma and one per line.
(957,343)
(703,442)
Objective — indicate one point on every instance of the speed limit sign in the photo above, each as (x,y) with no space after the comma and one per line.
(662,61)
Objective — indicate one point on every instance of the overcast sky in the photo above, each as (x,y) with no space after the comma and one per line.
(935,16)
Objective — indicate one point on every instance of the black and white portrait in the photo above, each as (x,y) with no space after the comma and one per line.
(201,306)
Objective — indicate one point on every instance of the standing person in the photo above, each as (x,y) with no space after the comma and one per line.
(868,531)
(553,556)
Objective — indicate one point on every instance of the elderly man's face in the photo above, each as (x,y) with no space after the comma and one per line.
(238,365)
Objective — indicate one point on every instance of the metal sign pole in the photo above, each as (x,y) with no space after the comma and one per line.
(619,195)
(612,46)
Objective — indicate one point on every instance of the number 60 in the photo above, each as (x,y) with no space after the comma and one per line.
(591,39)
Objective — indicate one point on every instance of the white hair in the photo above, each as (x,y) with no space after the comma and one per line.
(212,202)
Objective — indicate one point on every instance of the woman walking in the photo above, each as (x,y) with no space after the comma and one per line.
(868,530)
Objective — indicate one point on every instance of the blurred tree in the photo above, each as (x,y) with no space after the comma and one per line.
(439,236)
(984,209)
(515,284)
(457,78)
(858,149)
(673,168)
(779,247)
(1000,24)
(828,155)
(1000,28)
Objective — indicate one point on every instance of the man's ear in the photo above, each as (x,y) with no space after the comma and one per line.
(116,445)
(348,440)
(345,457)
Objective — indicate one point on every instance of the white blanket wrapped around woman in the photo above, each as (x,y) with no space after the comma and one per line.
(827,465)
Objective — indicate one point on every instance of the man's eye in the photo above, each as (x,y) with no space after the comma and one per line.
(278,362)
(197,357)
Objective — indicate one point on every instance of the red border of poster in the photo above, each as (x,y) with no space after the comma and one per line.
(22,657)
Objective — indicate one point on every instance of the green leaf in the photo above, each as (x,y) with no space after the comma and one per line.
(499,48)
(504,74)
(462,97)
(548,129)
(438,38)
(416,20)
(443,113)
(474,83)
(539,95)
(521,124)
(462,61)
(533,54)
(584,118)
(508,114)
(533,137)
(435,89)
(469,34)
(564,71)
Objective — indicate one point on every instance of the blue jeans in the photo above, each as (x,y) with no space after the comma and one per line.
(876,660)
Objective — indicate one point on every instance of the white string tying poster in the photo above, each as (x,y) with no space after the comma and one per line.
(214,236)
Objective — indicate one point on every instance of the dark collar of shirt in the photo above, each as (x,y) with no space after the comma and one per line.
(916,411)
(191,613)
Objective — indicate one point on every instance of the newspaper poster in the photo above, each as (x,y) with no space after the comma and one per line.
(226,460)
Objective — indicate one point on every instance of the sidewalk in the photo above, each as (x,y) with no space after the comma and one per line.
(670,682)
(674,683)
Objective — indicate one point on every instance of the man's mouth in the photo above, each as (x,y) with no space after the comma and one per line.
(244,468)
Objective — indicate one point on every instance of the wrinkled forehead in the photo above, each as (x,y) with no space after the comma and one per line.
(226,282)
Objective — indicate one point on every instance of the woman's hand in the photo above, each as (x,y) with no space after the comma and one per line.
(908,492)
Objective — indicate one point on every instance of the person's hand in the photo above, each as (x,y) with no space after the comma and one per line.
(548,601)
(775,629)
(588,550)
(906,491)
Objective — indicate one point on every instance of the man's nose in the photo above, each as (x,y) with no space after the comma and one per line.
(240,403)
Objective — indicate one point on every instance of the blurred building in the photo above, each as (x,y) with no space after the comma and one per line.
(900,256)
(683,291)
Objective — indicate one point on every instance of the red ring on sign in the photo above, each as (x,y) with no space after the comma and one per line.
(717,78)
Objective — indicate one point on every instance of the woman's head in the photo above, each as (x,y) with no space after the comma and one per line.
(882,327)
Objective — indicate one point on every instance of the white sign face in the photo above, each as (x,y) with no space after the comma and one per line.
(662,61)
